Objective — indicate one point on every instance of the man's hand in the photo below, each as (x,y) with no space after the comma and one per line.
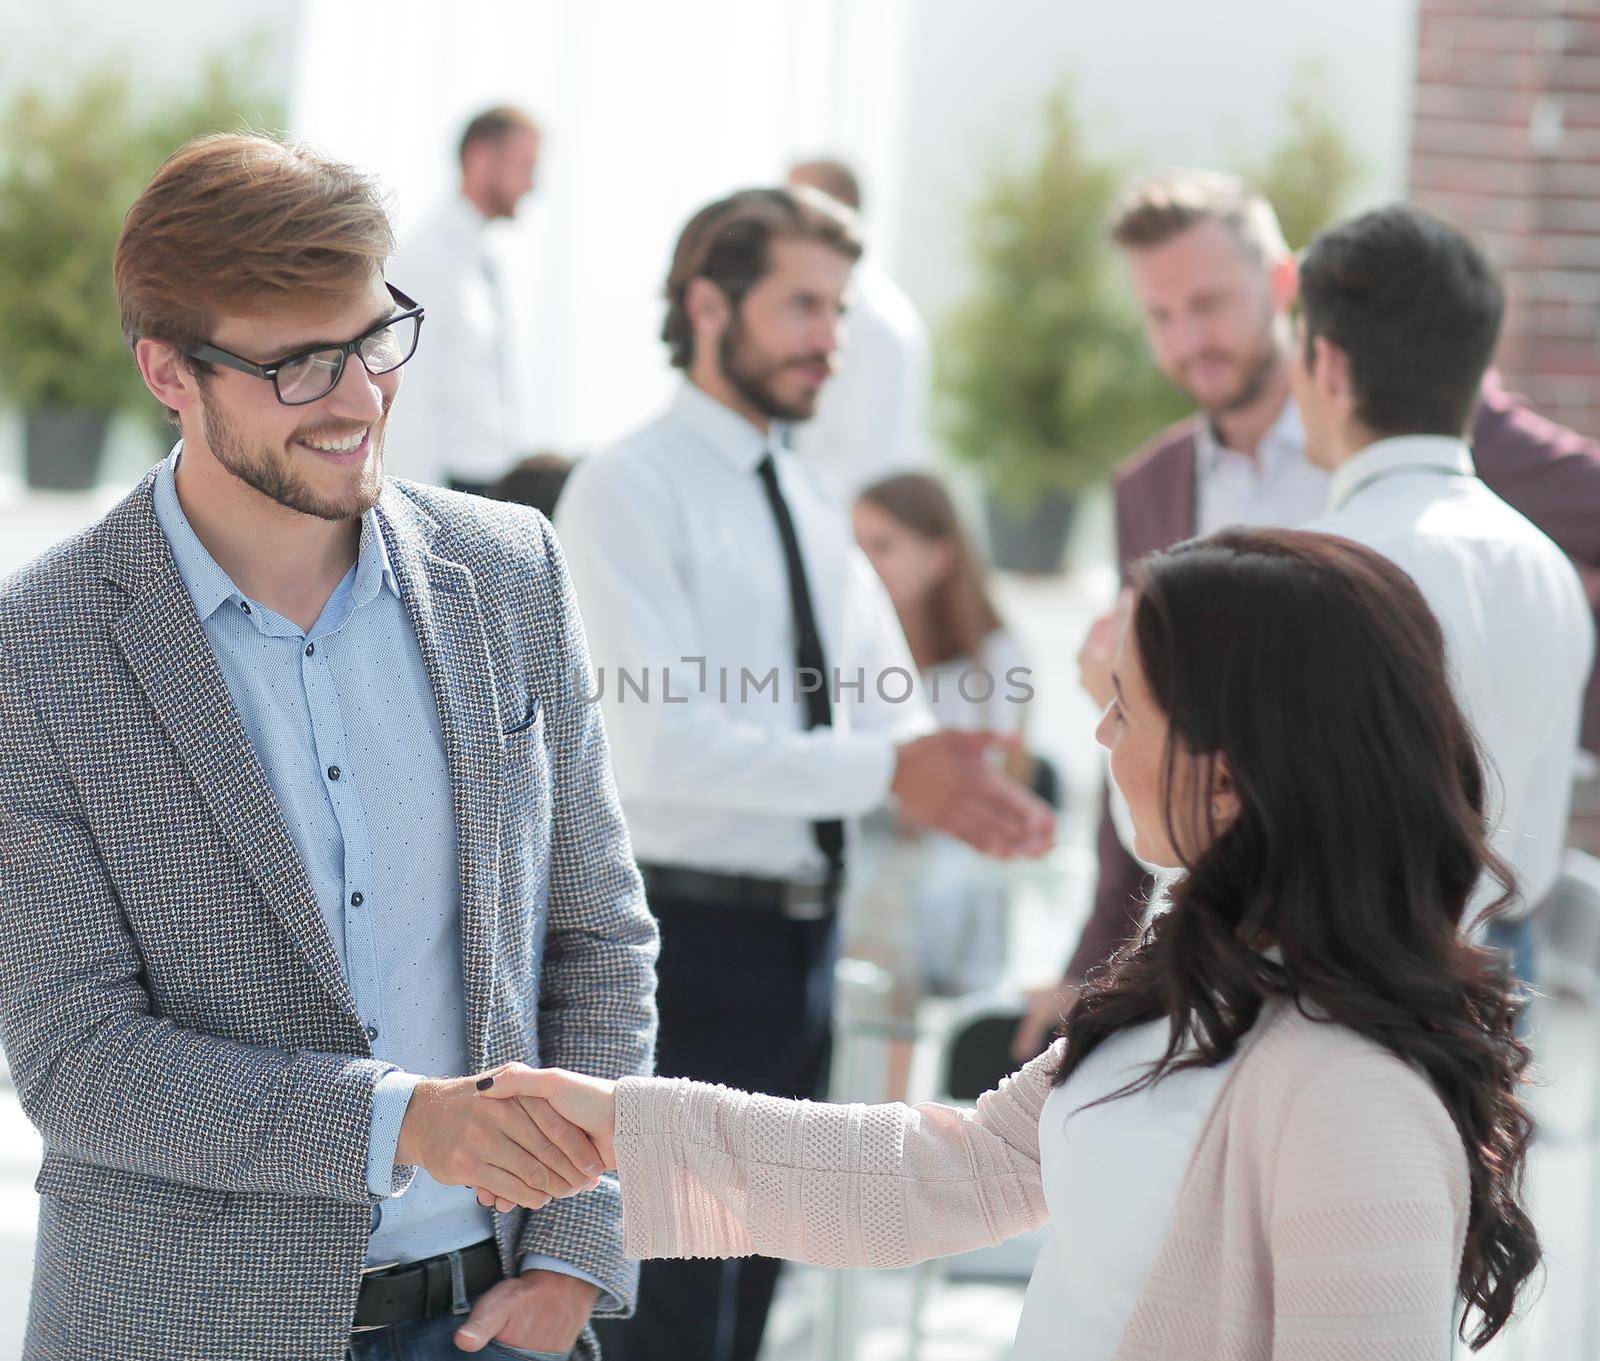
(945,782)
(521,1152)
(1099,650)
(1046,1008)
(539,1311)
(588,1103)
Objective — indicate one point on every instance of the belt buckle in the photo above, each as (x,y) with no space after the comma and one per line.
(806,901)
(373,1271)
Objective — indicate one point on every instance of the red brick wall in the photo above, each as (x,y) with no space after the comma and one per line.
(1505,141)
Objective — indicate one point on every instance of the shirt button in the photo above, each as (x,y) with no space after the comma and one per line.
(333,772)
(356,899)
(372,1032)
(311,649)
(245,606)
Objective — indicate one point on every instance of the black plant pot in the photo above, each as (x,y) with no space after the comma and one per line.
(62,450)
(1031,539)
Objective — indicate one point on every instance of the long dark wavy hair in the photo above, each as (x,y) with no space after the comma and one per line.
(1315,668)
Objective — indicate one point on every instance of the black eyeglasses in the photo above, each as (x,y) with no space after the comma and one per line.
(308,375)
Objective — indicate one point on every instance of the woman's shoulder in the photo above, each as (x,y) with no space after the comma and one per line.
(1308,1072)
(1297,1048)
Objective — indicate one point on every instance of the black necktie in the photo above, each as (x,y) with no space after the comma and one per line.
(808,650)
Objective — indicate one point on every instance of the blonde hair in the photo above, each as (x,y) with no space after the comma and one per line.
(1152,213)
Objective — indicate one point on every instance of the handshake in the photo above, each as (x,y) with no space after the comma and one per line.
(518,1135)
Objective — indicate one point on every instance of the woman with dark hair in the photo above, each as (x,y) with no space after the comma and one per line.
(1285,1121)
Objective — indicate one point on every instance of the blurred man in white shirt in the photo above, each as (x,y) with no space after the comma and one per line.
(1399,317)
(463,419)
(872,418)
(758,692)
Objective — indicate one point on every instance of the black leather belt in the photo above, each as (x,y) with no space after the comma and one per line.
(422,1290)
(799,900)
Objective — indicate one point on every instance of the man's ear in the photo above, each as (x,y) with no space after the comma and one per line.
(707,306)
(1331,369)
(166,375)
(1286,282)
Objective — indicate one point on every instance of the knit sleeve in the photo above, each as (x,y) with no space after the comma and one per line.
(1367,1217)
(709,1172)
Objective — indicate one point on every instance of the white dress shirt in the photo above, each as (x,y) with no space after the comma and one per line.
(675,555)
(1279,486)
(1111,1176)
(873,416)
(456,413)
(1517,628)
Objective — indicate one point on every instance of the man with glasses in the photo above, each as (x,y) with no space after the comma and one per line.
(305,831)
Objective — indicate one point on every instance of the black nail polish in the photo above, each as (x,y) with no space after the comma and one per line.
(484,1083)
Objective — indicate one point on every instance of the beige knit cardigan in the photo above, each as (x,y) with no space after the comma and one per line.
(1322,1215)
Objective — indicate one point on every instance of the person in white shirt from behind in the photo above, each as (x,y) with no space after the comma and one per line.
(1399,317)
(463,426)
(708,561)
(872,418)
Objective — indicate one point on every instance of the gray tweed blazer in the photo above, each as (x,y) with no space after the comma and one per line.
(172,1008)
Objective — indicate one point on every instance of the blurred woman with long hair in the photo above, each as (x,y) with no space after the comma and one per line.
(1286,1120)
(926,906)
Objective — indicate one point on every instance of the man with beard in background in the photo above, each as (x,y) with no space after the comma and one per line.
(1215,282)
(758,692)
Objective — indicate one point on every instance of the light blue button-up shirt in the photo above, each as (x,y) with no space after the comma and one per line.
(345,723)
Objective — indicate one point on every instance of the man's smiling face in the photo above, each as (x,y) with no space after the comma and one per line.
(325,458)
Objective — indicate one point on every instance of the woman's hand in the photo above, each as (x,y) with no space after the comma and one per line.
(577,1113)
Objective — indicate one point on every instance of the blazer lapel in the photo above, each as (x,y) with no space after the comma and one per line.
(442,599)
(161,637)
(1156,504)
(1182,511)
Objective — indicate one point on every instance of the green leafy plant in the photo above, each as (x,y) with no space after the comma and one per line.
(72,158)
(1045,383)
(1312,172)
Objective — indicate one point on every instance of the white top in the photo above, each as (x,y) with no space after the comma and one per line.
(1279,486)
(675,554)
(457,409)
(1111,1178)
(873,416)
(988,692)
(1517,627)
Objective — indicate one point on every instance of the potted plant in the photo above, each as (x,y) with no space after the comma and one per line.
(64,182)
(1312,172)
(1045,383)
(72,158)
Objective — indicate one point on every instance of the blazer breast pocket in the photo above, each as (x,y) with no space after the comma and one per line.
(535,710)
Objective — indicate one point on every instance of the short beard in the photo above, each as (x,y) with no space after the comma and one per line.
(274,475)
(1263,364)
(752,380)
(1256,380)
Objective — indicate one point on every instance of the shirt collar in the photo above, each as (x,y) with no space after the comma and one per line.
(1412,453)
(735,440)
(210,587)
(1285,438)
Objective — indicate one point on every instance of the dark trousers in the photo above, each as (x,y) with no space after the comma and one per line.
(746,999)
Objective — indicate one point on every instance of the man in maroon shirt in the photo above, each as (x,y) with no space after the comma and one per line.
(1216,282)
